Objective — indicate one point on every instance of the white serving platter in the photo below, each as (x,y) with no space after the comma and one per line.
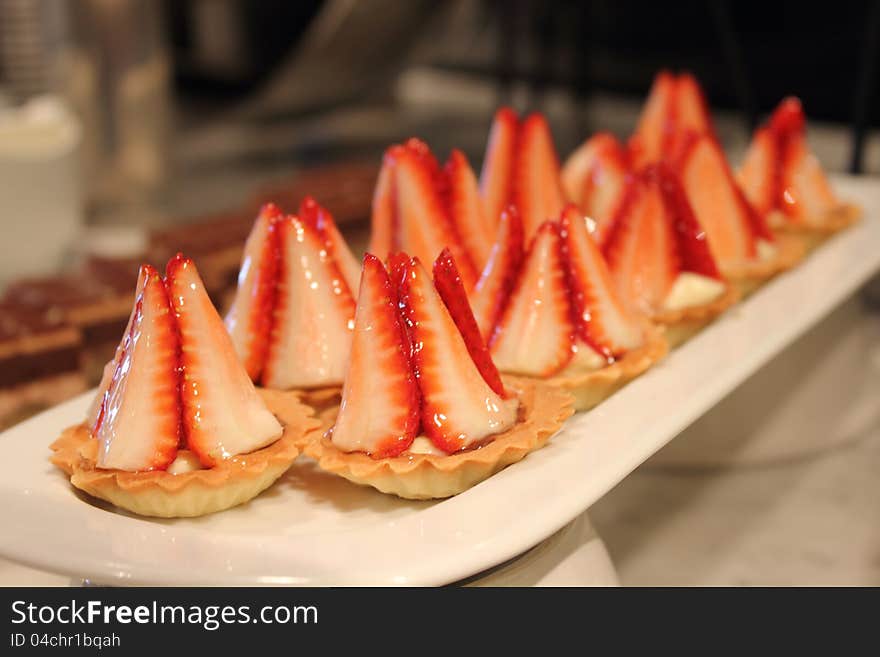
(315,529)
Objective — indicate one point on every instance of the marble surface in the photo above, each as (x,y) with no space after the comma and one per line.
(805,522)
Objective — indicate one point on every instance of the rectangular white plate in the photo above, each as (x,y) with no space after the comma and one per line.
(313,528)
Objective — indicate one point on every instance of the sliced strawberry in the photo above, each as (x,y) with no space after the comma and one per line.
(222,413)
(757,175)
(449,285)
(535,334)
(499,275)
(379,414)
(602,321)
(654,129)
(94,412)
(383,222)
(641,248)
(595,180)
(310,211)
(717,202)
(249,320)
(690,238)
(691,108)
(139,423)
(459,408)
(537,186)
(314,313)
(497,172)
(804,192)
(466,209)
(424,227)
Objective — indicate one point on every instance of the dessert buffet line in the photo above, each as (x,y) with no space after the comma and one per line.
(486,312)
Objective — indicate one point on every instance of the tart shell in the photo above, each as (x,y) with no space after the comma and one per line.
(543,409)
(591,388)
(679,326)
(161,494)
(750,276)
(814,231)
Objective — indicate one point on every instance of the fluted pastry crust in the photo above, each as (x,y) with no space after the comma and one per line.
(681,325)
(158,493)
(543,409)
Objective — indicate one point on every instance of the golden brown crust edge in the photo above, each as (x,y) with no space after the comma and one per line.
(591,388)
(160,494)
(814,231)
(544,409)
(747,278)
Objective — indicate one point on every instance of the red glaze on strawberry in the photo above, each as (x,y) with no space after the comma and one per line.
(465,207)
(422,223)
(139,423)
(249,320)
(675,106)
(602,320)
(379,414)
(780,172)
(497,173)
(448,283)
(459,409)
(310,211)
(537,187)
(222,413)
(732,226)
(314,312)
(535,335)
(499,275)
(594,179)
(691,242)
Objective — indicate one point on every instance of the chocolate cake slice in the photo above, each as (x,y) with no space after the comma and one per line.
(40,361)
(94,299)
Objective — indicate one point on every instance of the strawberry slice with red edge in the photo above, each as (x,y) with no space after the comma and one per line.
(314,312)
(448,283)
(640,249)
(535,334)
(655,126)
(465,207)
(594,177)
(94,412)
(732,226)
(310,211)
(758,175)
(379,413)
(497,172)
(536,186)
(602,320)
(383,219)
(249,320)
(423,224)
(139,423)
(222,413)
(459,409)
(499,275)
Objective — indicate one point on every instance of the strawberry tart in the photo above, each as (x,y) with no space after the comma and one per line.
(554,314)
(292,316)
(177,427)
(785,181)
(424,412)
(660,260)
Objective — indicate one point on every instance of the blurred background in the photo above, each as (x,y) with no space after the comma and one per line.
(132,128)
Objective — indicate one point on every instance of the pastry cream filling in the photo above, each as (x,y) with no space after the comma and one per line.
(424,445)
(186,461)
(766,250)
(692,289)
(585,359)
